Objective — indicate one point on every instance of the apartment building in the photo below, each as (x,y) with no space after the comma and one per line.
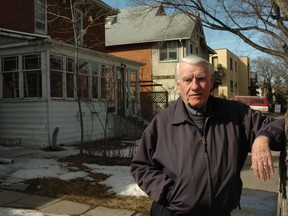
(233,72)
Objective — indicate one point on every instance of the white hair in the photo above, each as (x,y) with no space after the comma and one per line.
(193,59)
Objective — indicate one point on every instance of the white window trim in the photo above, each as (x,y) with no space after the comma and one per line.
(177,52)
(79,32)
(36,2)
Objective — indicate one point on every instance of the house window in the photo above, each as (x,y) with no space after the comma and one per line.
(231,64)
(169,51)
(236,66)
(190,48)
(79,26)
(83,79)
(56,76)
(215,62)
(19,83)
(32,78)
(105,84)
(70,74)
(231,85)
(95,75)
(10,76)
(41,16)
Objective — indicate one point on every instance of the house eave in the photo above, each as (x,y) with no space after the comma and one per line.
(150,41)
(93,52)
(21,35)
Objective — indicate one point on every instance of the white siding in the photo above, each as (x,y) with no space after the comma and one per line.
(65,116)
(26,122)
(23,123)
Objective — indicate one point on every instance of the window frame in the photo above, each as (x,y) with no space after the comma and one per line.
(70,69)
(105,75)
(40,16)
(167,46)
(32,71)
(59,72)
(231,64)
(14,84)
(99,84)
(95,80)
(79,25)
(190,48)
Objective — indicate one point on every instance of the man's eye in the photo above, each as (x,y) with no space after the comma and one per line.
(187,80)
(201,78)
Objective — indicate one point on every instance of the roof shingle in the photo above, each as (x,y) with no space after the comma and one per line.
(142,24)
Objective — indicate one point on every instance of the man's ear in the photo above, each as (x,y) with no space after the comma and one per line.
(212,79)
(177,84)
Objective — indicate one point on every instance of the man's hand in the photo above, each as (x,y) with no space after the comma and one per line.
(262,164)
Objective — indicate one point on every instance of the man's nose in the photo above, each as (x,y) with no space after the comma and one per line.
(194,84)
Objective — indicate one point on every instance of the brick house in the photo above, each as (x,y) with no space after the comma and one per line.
(50,57)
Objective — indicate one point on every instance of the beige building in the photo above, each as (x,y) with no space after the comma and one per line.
(233,72)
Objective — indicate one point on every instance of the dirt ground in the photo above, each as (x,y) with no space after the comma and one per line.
(81,190)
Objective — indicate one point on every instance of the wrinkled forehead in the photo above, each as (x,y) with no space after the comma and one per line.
(193,69)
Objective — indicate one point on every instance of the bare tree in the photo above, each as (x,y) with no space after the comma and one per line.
(264,68)
(248,19)
(271,76)
(74,22)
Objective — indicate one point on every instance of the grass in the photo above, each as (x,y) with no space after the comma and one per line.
(83,191)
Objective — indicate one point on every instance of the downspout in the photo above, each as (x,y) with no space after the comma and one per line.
(47,69)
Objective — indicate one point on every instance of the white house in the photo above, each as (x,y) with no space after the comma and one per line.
(38,85)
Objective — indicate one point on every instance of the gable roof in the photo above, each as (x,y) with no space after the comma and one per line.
(144,23)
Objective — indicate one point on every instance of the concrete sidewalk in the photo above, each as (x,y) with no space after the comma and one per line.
(253,203)
(258,198)
(12,199)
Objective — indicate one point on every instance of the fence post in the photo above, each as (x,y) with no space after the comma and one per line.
(282,206)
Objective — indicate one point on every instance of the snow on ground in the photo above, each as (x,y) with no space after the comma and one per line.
(33,163)
(40,164)
(23,212)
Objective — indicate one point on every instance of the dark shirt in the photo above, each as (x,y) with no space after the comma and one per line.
(197,116)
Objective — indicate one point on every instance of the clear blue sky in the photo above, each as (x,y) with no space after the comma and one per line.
(215,39)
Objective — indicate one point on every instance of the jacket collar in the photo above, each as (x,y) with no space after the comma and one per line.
(214,109)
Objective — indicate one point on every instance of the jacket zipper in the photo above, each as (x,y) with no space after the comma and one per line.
(209,176)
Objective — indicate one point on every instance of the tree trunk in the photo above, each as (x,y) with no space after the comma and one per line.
(282,207)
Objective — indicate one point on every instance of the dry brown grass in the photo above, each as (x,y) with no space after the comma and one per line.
(83,191)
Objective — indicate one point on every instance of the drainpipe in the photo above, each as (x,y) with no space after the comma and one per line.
(47,70)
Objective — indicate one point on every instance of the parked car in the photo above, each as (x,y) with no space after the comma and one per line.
(255,102)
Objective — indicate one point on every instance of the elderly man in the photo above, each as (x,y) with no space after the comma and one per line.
(191,154)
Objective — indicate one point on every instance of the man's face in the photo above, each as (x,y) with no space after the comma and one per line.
(194,83)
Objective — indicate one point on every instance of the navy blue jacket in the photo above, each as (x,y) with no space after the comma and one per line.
(193,171)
